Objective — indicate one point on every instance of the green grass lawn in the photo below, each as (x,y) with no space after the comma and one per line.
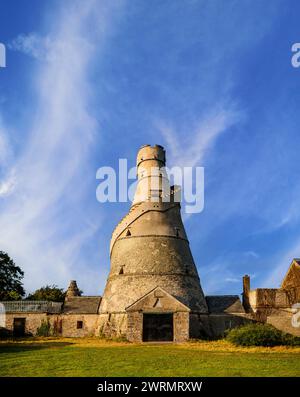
(94,357)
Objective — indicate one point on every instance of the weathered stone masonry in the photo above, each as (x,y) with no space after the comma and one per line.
(153,290)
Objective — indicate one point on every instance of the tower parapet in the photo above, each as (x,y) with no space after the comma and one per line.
(155,154)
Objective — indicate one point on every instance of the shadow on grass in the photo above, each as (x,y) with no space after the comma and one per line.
(13,347)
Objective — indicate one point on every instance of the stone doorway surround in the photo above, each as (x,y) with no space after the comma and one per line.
(157,301)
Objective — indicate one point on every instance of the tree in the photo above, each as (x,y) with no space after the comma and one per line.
(48,293)
(11,287)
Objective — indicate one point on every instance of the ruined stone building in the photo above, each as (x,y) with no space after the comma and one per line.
(153,291)
(276,306)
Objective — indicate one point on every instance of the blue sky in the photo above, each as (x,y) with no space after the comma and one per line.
(88,82)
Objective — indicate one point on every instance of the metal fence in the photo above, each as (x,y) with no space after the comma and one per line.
(32,306)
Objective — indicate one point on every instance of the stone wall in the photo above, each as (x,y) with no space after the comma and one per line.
(181,326)
(293,295)
(185,325)
(268,298)
(219,323)
(199,325)
(69,325)
(282,319)
(112,325)
(147,262)
(214,325)
(150,218)
(60,325)
(33,321)
(134,327)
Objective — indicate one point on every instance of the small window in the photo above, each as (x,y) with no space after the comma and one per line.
(79,324)
(177,231)
(121,270)
(128,233)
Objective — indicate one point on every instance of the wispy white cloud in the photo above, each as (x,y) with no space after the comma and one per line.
(33,45)
(214,284)
(8,184)
(232,280)
(190,149)
(278,269)
(201,140)
(226,270)
(7,175)
(5,147)
(49,175)
(251,254)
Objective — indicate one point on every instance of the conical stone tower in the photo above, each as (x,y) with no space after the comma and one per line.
(149,249)
(72,290)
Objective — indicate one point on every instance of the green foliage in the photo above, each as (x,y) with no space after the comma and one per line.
(11,287)
(44,329)
(256,334)
(48,293)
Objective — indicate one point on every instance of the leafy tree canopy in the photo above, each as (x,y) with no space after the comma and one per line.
(48,293)
(11,287)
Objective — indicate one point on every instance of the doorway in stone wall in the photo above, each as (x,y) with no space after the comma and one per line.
(19,326)
(158,327)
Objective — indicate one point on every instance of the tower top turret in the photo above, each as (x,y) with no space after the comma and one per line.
(155,154)
(152,178)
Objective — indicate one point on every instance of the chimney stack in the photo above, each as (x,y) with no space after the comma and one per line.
(246,289)
(72,290)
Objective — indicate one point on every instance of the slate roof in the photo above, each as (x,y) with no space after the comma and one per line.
(82,305)
(224,303)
